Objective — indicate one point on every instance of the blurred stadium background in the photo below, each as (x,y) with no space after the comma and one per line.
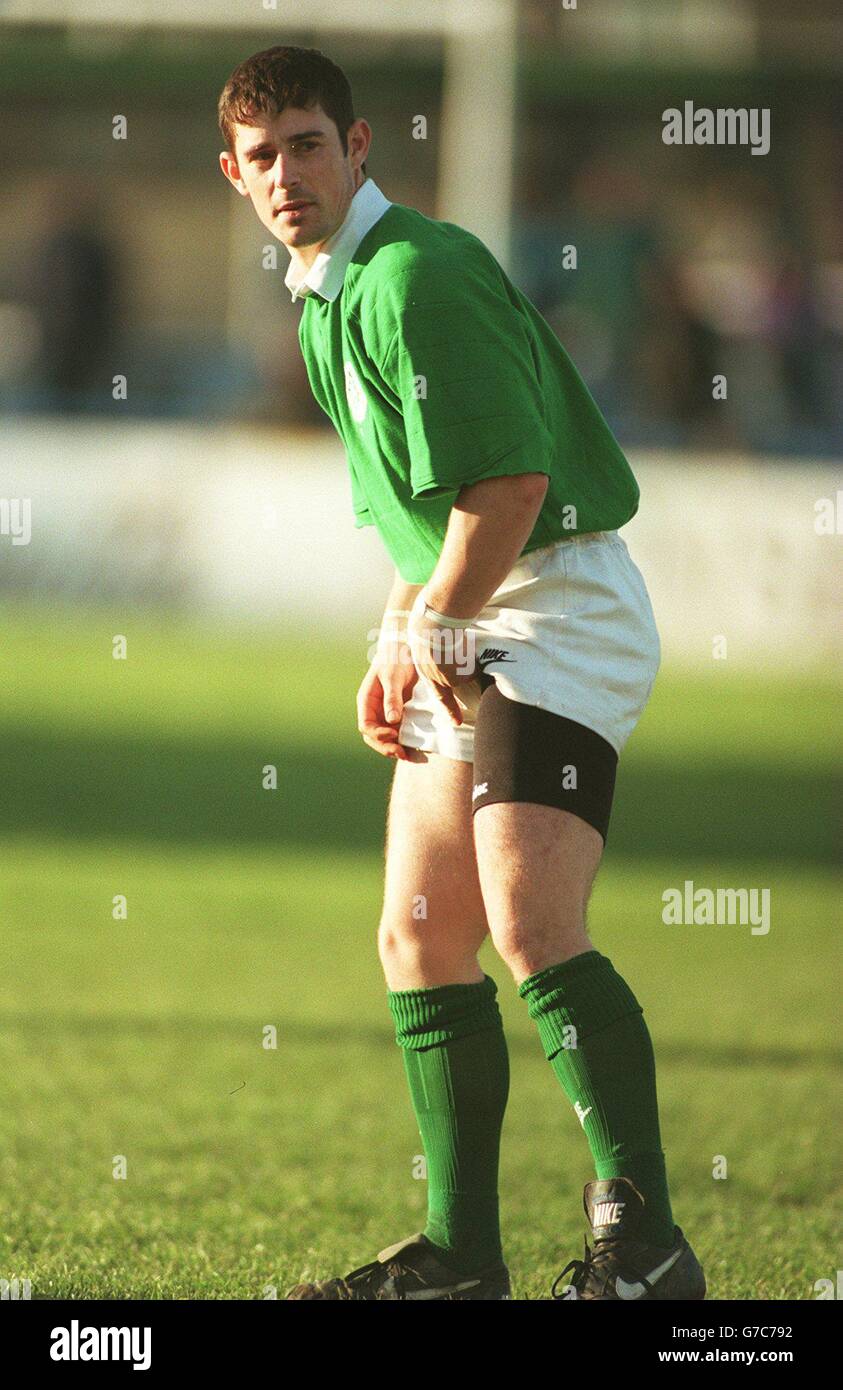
(207,518)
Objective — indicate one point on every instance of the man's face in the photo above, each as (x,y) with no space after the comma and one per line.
(296,157)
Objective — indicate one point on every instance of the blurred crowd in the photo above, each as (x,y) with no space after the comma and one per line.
(699,292)
(694,311)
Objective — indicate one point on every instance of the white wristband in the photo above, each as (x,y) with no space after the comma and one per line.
(443,620)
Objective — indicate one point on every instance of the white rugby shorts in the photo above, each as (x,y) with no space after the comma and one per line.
(570,630)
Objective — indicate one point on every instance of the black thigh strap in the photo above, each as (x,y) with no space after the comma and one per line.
(526,754)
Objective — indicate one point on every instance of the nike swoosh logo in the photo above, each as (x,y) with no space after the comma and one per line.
(637,1290)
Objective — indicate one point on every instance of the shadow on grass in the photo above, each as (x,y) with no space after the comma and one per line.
(179,1028)
(190,792)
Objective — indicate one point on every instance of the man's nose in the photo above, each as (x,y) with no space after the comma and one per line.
(284,172)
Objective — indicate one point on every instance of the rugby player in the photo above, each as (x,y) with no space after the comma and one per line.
(517,651)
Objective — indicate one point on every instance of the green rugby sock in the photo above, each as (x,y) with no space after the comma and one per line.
(457,1066)
(607,1070)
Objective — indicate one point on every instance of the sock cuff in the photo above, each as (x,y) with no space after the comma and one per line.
(432,1017)
(585,993)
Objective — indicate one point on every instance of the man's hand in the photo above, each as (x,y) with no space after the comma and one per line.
(389,681)
(443,655)
(386,687)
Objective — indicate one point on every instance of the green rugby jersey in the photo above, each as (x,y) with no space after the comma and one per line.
(437,372)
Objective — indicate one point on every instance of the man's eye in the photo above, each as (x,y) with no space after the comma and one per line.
(304,145)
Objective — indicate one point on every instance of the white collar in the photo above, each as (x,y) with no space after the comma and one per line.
(327,273)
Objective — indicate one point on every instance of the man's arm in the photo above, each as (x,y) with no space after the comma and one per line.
(488,525)
(401,597)
(487,528)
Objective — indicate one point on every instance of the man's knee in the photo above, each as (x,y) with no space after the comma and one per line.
(398,942)
(409,941)
(537,865)
(526,949)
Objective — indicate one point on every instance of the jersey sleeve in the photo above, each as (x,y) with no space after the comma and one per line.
(362,515)
(460,363)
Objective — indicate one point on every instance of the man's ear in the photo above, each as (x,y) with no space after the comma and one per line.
(231,169)
(360,138)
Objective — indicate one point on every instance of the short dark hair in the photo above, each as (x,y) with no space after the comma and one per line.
(285,76)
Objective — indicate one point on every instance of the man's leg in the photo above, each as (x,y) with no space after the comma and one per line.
(433,921)
(446,1015)
(536,866)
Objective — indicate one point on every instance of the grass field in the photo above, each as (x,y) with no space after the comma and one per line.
(248,1168)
